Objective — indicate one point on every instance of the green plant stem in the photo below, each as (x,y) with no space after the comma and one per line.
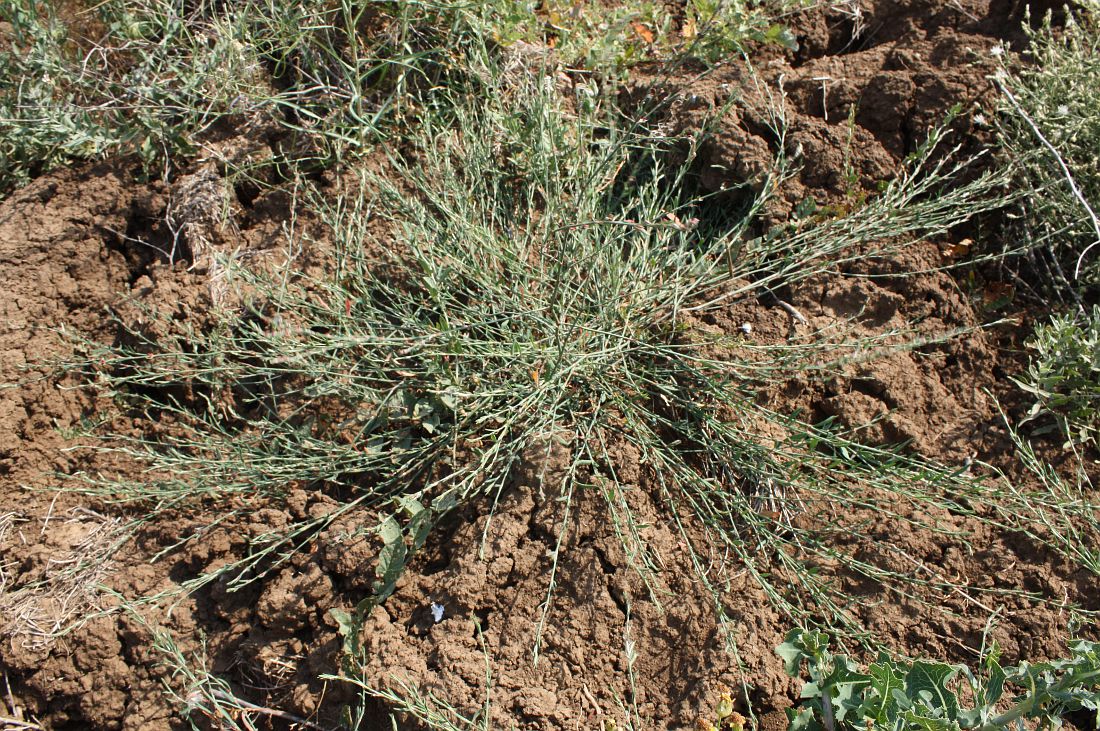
(1036,700)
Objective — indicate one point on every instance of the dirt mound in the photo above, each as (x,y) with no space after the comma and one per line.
(466,619)
(62,264)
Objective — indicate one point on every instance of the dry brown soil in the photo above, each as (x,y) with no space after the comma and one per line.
(68,252)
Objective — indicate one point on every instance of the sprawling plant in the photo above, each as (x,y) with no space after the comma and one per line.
(526,281)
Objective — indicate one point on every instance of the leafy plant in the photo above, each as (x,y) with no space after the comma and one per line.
(41,122)
(894,694)
(719,28)
(1064,374)
(154,78)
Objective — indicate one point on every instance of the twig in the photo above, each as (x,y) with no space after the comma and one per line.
(1062,275)
(16,720)
(769,297)
(958,7)
(591,699)
(49,515)
(221,695)
(169,255)
(1065,171)
(7,722)
(954,587)
(792,311)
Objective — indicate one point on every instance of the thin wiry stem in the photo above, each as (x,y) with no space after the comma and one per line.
(1061,164)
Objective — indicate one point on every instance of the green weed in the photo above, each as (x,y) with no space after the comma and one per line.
(1064,375)
(404,697)
(152,86)
(1068,521)
(523,278)
(899,694)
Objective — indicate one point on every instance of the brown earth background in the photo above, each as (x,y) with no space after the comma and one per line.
(68,256)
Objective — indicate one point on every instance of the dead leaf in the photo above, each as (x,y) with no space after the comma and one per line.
(689,30)
(959,250)
(643,32)
(997,294)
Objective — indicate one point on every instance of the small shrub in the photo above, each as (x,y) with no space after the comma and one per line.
(1050,126)
(1064,375)
(543,268)
(155,81)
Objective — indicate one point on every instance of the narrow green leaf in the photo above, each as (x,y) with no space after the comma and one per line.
(995,686)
